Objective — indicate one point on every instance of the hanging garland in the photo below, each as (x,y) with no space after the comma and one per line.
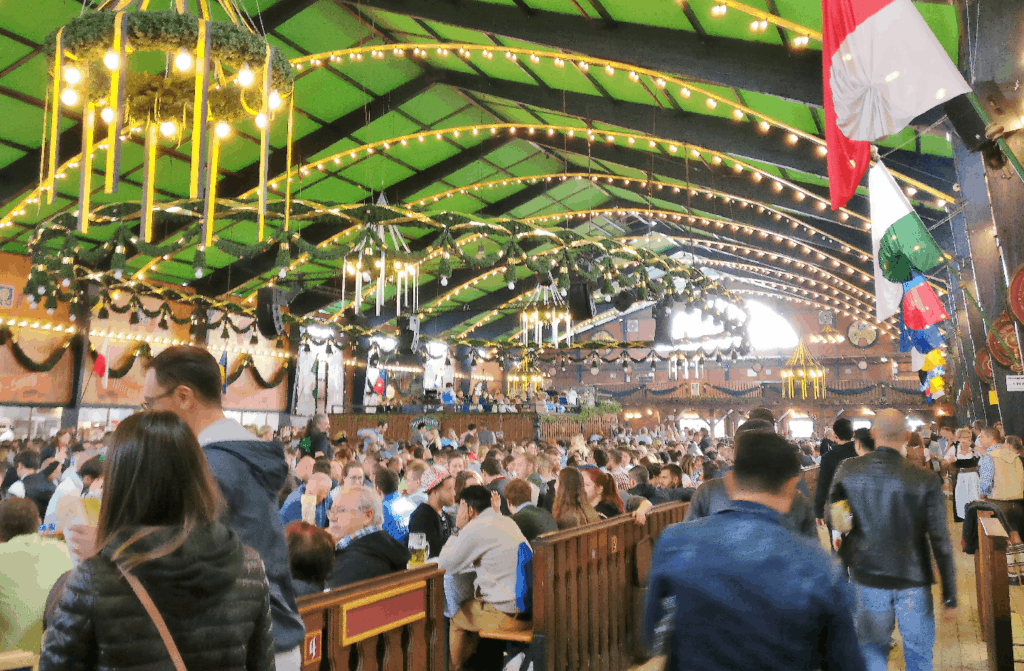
(117,372)
(45,366)
(246,361)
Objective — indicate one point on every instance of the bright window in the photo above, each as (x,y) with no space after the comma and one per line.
(768,329)
(801,428)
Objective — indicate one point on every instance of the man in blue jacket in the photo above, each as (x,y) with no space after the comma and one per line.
(187,381)
(738,590)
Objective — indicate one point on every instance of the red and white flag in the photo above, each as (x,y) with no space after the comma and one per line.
(882,67)
(102,366)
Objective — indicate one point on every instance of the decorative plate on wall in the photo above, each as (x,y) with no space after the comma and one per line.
(862,334)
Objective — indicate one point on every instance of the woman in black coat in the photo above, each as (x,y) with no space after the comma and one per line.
(158,522)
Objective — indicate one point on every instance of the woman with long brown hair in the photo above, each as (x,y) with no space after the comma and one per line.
(601,493)
(168,581)
(572,507)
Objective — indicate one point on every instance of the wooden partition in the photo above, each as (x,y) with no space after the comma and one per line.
(993,591)
(588,585)
(515,426)
(811,479)
(392,623)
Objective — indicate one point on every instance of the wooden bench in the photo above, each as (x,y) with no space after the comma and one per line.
(395,623)
(18,660)
(993,590)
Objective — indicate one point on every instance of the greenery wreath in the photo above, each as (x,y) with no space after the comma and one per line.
(167,93)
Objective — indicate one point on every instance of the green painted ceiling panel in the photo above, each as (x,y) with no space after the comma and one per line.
(419,158)
(395,22)
(937,146)
(343,98)
(322,27)
(734,24)
(436,103)
(651,12)
(376,172)
(379,77)
(10,51)
(798,116)
(43,18)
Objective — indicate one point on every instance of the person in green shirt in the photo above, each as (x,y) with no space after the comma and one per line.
(32,564)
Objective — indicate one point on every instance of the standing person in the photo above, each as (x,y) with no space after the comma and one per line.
(429,518)
(186,380)
(839,452)
(485,435)
(899,511)
(720,605)
(962,462)
(1002,476)
(158,523)
(316,442)
(371,436)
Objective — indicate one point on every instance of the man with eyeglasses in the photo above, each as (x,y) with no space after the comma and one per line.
(362,549)
(187,381)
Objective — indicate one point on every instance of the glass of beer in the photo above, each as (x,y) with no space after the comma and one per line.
(419,549)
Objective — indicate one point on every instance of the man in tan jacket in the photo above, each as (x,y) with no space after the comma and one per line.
(1002,476)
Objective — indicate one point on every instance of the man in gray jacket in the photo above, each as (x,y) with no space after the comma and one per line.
(491,546)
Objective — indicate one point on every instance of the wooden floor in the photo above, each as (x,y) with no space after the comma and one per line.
(958,643)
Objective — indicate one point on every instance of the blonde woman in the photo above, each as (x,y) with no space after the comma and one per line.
(966,479)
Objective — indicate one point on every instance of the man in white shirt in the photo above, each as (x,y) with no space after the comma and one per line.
(6,432)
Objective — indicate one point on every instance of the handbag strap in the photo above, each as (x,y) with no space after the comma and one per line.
(154,614)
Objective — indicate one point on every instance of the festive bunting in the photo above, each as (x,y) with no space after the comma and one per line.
(921,307)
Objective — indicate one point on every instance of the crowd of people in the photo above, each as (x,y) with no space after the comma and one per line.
(183,522)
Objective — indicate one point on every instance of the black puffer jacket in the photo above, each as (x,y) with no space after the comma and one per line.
(212,592)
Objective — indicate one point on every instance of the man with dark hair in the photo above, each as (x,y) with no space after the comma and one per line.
(429,518)
(714,495)
(763,414)
(705,441)
(386,481)
(492,547)
(601,459)
(187,381)
(640,485)
(898,513)
(830,461)
(485,435)
(719,604)
(87,477)
(419,435)
(495,480)
(26,463)
(530,519)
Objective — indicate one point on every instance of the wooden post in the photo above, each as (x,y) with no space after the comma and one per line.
(994,594)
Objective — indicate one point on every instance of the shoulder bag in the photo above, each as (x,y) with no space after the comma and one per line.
(155,616)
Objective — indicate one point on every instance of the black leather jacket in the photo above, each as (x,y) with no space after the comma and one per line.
(713,497)
(898,512)
(212,592)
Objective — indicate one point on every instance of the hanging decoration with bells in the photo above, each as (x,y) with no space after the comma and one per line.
(525,378)
(170,77)
(544,307)
(802,371)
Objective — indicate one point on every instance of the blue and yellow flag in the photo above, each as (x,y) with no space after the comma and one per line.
(224,371)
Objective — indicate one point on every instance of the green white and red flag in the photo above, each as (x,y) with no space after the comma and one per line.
(882,67)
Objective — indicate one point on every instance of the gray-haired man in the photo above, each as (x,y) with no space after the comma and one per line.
(362,549)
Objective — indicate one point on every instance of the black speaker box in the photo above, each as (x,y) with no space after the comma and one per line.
(624,300)
(581,302)
(268,313)
(968,123)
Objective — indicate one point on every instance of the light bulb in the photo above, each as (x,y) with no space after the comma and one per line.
(245,77)
(112,60)
(366,277)
(69,97)
(511,285)
(183,60)
(72,75)
(261,120)
(274,100)
(168,128)
(444,281)
(223,130)
(107,115)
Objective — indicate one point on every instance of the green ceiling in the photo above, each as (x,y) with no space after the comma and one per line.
(345,105)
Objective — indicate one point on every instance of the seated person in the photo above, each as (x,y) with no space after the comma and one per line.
(362,549)
(640,485)
(31,565)
(670,479)
(310,557)
(429,518)
(319,485)
(491,546)
(530,519)
(386,483)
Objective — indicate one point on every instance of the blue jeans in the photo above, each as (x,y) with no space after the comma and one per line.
(878,611)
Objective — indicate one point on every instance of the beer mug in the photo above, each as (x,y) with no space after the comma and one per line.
(419,549)
(308,503)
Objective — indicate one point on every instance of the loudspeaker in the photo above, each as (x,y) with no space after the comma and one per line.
(581,301)
(968,123)
(268,313)
(408,334)
(663,322)
(624,300)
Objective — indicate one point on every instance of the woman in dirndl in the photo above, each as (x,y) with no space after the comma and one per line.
(966,481)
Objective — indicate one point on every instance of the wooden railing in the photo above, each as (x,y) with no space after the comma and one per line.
(588,591)
(741,390)
(993,591)
(395,622)
(517,426)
